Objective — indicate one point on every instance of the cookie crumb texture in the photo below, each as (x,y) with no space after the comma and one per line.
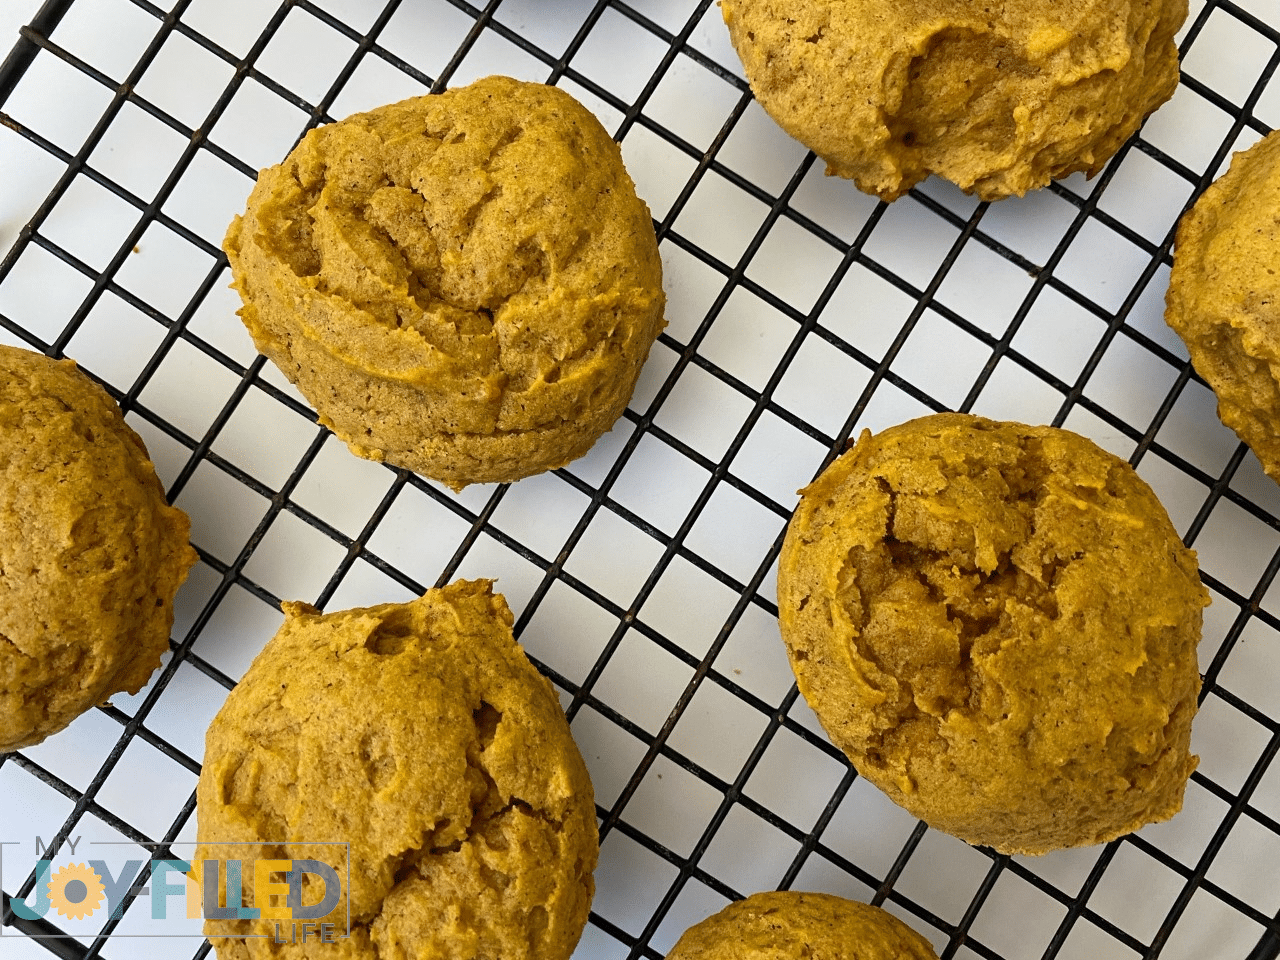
(1224,296)
(787,925)
(463,284)
(998,624)
(997,98)
(90,553)
(420,734)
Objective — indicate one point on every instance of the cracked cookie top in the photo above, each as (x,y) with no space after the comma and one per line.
(463,284)
(998,624)
(420,735)
(91,554)
(998,98)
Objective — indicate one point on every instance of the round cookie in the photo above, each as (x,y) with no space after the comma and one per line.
(91,554)
(420,734)
(998,624)
(786,925)
(1224,296)
(997,98)
(465,284)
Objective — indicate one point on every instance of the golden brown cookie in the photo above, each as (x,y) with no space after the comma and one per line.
(91,554)
(997,98)
(786,925)
(465,284)
(420,734)
(1224,296)
(998,624)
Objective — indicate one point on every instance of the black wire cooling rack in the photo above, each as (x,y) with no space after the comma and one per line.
(642,575)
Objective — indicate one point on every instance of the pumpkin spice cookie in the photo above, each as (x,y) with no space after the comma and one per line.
(464,284)
(420,735)
(91,554)
(998,624)
(997,98)
(787,925)
(1224,296)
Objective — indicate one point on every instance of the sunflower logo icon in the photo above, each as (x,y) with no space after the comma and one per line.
(75,891)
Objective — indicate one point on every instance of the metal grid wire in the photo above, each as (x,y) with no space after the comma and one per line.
(642,575)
